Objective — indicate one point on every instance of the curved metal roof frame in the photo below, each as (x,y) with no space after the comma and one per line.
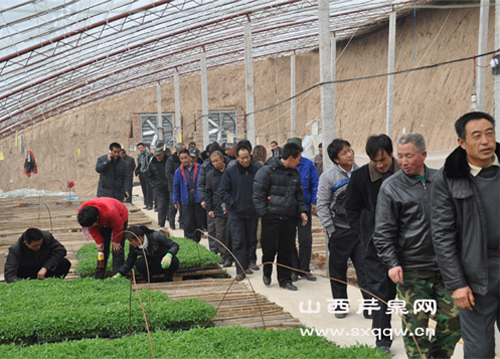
(58,55)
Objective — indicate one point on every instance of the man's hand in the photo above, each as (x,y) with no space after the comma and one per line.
(464,298)
(117,275)
(203,204)
(176,205)
(109,156)
(396,274)
(117,247)
(211,214)
(126,195)
(41,273)
(224,209)
(166,261)
(303,216)
(314,209)
(100,247)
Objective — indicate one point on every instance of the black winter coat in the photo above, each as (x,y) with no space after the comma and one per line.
(403,222)
(361,199)
(212,199)
(173,163)
(459,225)
(114,180)
(157,174)
(158,247)
(278,190)
(48,256)
(236,188)
(205,168)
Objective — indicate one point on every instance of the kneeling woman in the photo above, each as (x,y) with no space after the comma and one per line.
(160,253)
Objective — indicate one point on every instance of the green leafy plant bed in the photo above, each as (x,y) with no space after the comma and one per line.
(217,343)
(191,256)
(52,309)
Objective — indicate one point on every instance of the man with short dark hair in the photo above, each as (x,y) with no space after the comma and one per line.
(276,151)
(36,255)
(114,179)
(466,230)
(105,219)
(158,179)
(403,240)
(186,195)
(235,190)
(279,199)
(173,163)
(343,241)
(309,178)
(129,168)
(143,160)
(360,204)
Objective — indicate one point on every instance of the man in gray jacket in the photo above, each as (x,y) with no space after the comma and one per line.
(466,230)
(403,240)
(343,241)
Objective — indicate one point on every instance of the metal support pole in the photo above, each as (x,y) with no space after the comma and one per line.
(204,100)
(159,122)
(249,84)
(292,94)
(327,106)
(178,125)
(481,49)
(390,69)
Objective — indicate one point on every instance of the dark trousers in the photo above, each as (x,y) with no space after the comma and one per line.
(162,201)
(278,237)
(220,234)
(478,326)
(212,245)
(343,244)
(242,232)
(302,258)
(379,283)
(193,218)
(131,185)
(61,270)
(147,190)
(172,212)
(154,266)
(118,257)
(229,242)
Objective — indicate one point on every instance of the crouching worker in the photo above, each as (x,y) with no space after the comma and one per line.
(36,255)
(154,247)
(106,219)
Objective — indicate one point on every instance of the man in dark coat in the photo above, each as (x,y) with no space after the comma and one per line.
(466,230)
(173,163)
(236,190)
(360,203)
(129,167)
(279,200)
(36,254)
(143,160)
(114,180)
(158,180)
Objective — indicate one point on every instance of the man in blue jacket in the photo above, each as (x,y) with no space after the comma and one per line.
(310,179)
(186,194)
(236,191)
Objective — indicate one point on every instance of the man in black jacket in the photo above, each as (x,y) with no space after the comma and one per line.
(466,230)
(129,167)
(236,189)
(36,254)
(173,163)
(360,203)
(158,179)
(404,243)
(143,160)
(114,180)
(213,204)
(279,199)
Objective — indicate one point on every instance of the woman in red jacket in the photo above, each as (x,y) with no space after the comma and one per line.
(105,218)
